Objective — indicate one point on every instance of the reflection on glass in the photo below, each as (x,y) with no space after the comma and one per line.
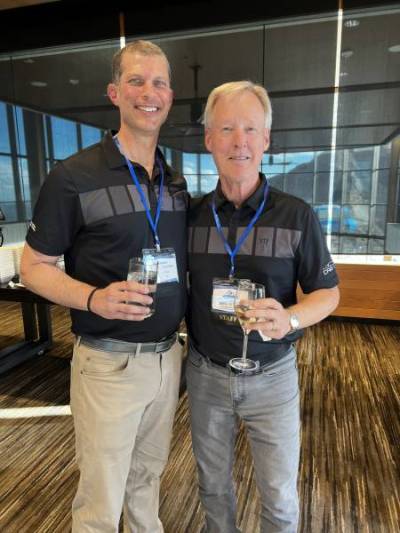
(64,134)
(207,165)
(357,186)
(89,135)
(4,135)
(349,187)
(353,245)
(24,174)
(19,130)
(7,189)
(189,164)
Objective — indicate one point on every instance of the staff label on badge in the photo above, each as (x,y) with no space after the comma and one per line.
(167,266)
(223,300)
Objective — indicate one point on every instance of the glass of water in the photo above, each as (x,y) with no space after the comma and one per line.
(145,272)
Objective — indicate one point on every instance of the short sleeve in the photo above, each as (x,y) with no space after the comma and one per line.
(315,269)
(57,215)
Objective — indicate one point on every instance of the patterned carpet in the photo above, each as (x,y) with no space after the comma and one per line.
(349,478)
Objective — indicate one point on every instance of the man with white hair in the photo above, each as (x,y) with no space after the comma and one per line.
(246,229)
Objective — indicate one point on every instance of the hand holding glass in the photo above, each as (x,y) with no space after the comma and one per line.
(246,290)
(144,272)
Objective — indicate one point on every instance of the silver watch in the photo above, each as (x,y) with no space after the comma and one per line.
(294,323)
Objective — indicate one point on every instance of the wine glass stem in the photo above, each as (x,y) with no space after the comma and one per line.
(245,339)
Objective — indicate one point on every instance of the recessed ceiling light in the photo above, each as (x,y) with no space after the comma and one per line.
(346,53)
(344,74)
(395,48)
(352,23)
(38,84)
(74,82)
(29,60)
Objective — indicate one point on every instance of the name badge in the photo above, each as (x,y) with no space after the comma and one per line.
(167,266)
(223,300)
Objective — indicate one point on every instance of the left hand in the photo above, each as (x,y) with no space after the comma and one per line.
(272,317)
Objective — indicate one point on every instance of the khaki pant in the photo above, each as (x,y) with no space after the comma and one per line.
(123,408)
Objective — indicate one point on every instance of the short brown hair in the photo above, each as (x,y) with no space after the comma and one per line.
(144,48)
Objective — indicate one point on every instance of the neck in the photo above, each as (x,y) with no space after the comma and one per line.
(138,149)
(238,192)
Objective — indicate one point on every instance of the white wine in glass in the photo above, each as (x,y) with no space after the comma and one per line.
(246,290)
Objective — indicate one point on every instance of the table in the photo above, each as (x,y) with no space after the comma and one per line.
(37,327)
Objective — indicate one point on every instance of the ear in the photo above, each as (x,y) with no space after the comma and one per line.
(112,93)
(266,138)
(171,98)
(208,139)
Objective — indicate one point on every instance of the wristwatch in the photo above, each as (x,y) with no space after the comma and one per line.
(294,323)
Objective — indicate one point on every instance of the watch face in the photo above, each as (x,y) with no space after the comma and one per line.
(294,322)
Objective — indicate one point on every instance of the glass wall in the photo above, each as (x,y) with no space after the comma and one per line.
(334,83)
(30,144)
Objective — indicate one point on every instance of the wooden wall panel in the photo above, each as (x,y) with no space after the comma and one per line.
(369,291)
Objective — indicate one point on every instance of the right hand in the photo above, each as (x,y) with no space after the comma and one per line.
(110,302)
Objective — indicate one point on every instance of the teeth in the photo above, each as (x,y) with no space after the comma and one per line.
(150,109)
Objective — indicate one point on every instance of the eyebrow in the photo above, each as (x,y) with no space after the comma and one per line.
(137,75)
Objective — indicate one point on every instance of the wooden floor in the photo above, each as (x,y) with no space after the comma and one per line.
(350,467)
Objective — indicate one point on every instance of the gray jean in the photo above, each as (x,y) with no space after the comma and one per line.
(268,403)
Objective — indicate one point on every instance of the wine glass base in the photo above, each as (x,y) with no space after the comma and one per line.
(244,365)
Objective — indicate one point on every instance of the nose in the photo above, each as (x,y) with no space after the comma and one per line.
(239,138)
(147,90)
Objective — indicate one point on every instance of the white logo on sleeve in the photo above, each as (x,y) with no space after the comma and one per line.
(328,268)
(32,226)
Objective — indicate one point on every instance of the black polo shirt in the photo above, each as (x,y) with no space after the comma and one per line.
(285,246)
(89,210)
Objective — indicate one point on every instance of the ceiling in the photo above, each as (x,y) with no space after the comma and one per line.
(12,4)
(295,61)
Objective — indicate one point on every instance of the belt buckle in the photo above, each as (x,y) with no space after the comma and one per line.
(238,372)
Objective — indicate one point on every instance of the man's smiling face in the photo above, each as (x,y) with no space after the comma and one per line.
(143,93)
(237,136)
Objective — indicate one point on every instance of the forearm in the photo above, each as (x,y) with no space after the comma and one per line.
(314,307)
(52,283)
(273,320)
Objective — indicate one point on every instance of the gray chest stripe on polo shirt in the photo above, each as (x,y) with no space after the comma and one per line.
(264,241)
(167,200)
(285,246)
(167,204)
(137,202)
(120,199)
(95,205)
(287,242)
(247,246)
(216,244)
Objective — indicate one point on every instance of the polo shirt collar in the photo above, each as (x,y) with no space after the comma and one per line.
(253,201)
(115,159)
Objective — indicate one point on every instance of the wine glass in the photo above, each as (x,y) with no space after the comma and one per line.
(246,290)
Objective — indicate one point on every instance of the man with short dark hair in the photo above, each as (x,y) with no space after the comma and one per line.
(113,201)
(247,230)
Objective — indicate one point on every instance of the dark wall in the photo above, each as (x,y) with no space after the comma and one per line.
(71,21)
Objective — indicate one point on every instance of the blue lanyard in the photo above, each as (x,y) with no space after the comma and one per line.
(245,234)
(153,223)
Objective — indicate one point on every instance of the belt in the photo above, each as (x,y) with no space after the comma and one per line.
(259,370)
(112,345)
